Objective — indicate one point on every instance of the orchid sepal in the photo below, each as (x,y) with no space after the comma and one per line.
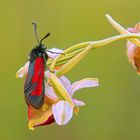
(59,89)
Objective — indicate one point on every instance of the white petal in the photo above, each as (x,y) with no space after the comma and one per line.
(63,79)
(62,112)
(55,52)
(131,48)
(65,82)
(84,83)
(49,92)
(78,102)
(22,71)
(59,89)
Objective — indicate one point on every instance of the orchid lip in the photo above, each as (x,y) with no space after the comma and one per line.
(47,122)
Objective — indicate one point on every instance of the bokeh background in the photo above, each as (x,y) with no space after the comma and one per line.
(112,111)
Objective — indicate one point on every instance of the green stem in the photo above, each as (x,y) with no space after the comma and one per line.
(121,29)
(82,46)
(100,43)
(66,57)
(74,61)
(74,47)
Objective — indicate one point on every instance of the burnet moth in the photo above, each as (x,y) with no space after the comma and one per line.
(34,88)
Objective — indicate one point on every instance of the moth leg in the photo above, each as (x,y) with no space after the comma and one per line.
(45,80)
(46,66)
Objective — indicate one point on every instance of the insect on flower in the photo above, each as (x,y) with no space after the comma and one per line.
(34,87)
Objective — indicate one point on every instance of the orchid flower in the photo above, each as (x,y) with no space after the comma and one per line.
(63,110)
(55,108)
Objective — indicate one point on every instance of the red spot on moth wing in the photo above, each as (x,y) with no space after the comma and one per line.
(38,76)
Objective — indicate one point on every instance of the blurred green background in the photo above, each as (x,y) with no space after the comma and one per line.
(112,111)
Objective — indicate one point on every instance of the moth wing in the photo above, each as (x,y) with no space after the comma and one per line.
(34,87)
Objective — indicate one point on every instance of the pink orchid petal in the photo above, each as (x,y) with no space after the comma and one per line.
(54,54)
(132,30)
(49,92)
(85,83)
(65,82)
(78,102)
(22,71)
(62,112)
(131,48)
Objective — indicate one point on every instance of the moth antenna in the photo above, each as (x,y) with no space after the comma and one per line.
(48,34)
(35,31)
